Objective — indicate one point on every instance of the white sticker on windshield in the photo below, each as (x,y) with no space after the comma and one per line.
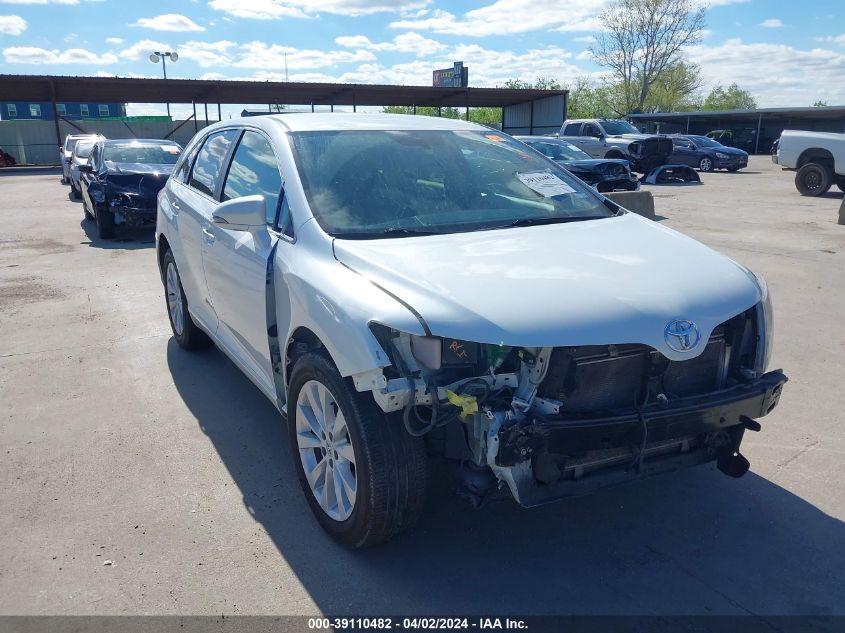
(546,184)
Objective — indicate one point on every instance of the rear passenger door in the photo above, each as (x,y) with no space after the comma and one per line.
(236,262)
(193,201)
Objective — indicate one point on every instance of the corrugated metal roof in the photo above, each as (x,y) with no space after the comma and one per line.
(823,111)
(132,90)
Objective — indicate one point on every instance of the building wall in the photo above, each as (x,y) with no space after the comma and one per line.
(34,142)
(44,110)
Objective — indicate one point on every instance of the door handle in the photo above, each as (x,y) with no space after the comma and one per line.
(209,236)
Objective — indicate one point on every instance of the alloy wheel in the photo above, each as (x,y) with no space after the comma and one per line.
(174,299)
(325,449)
(706,164)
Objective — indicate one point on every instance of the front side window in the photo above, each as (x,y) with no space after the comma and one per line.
(104,109)
(255,171)
(35,109)
(363,184)
(209,163)
(83,109)
(591,130)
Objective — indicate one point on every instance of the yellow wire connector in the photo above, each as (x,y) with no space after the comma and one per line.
(467,404)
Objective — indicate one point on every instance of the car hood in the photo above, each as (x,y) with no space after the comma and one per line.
(631,137)
(730,151)
(138,168)
(589,164)
(599,282)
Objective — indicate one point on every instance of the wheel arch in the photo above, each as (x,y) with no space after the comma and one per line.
(815,155)
(161,248)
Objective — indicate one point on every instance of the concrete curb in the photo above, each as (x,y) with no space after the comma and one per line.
(639,202)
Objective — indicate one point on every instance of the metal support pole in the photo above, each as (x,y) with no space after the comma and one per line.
(219,113)
(332,107)
(56,116)
(312,106)
(206,114)
(757,140)
(531,120)
(439,111)
(164,70)
(194,104)
(354,108)
(687,125)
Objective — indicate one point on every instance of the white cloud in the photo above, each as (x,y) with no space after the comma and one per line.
(405,43)
(207,54)
(772,23)
(837,39)
(169,22)
(142,49)
(776,74)
(512,16)
(261,55)
(275,9)
(114,40)
(12,24)
(34,55)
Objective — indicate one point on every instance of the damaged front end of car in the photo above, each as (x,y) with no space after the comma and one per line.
(132,198)
(551,422)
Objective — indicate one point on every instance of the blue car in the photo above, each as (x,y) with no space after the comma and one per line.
(706,154)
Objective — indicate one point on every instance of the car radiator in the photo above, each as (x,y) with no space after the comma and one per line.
(601,378)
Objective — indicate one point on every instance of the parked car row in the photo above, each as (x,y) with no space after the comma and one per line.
(614,139)
(118,180)
(400,287)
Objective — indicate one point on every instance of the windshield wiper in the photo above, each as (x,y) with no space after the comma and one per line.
(386,233)
(540,221)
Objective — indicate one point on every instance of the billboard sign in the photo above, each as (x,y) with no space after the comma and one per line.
(455,77)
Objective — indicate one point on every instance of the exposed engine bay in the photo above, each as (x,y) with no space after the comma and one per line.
(557,421)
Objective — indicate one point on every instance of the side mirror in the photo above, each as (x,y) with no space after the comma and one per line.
(85,168)
(241,214)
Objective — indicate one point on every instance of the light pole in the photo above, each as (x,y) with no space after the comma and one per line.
(158,55)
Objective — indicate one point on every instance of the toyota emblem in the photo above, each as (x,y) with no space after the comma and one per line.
(682,335)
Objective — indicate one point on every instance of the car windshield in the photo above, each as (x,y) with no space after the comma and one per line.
(703,141)
(83,149)
(557,150)
(368,183)
(152,153)
(615,128)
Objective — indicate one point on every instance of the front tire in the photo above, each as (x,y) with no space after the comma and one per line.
(186,333)
(813,179)
(366,476)
(105,223)
(705,164)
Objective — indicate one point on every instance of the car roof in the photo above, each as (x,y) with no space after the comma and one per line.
(140,141)
(343,121)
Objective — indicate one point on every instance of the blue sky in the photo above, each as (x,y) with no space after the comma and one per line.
(786,53)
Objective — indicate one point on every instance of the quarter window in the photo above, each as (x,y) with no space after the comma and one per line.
(208,166)
(255,171)
(35,109)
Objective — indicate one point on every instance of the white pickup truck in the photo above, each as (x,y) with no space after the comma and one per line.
(819,158)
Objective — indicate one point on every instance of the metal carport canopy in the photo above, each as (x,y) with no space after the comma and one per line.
(131,90)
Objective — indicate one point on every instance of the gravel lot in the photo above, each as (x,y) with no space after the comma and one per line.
(117,446)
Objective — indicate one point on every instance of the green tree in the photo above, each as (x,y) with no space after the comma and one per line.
(820,104)
(642,39)
(734,98)
(675,90)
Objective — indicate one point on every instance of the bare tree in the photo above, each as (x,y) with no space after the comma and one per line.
(644,38)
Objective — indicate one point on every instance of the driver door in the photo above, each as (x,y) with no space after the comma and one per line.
(236,262)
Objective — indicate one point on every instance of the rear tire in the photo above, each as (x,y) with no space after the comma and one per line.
(388,465)
(186,333)
(813,179)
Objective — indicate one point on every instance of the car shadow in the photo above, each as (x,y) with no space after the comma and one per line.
(72,199)
(125,239)
(694,543)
